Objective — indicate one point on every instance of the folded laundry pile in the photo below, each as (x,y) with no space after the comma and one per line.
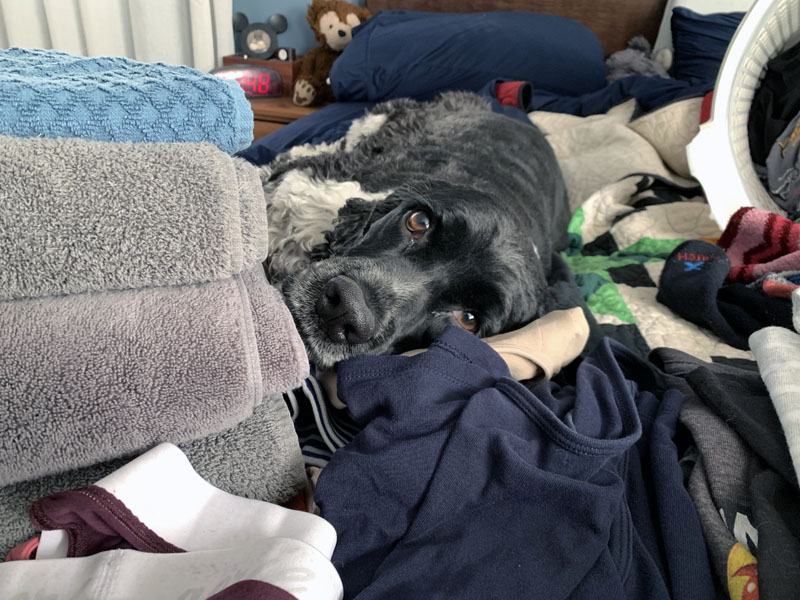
(134,306)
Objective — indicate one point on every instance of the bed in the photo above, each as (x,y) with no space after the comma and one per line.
(446,475)
(621,149)
(614,23)
(639,225)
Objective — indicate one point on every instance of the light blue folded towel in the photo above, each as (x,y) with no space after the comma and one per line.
(44,93)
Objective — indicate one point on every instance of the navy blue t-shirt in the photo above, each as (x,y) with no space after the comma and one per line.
(465,484)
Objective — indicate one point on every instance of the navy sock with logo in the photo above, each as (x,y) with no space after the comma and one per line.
(690,282)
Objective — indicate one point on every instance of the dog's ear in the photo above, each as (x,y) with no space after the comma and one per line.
(352,222)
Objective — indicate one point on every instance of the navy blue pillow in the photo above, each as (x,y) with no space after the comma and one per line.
(700,42)
(414,54)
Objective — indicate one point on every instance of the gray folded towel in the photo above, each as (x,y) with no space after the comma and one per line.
(258,458)
(81,216)
(90,377)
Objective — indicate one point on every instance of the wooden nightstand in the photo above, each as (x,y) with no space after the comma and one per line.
(270,114)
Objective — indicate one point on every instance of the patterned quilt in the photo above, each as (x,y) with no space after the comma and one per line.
(633,202)
(619,239)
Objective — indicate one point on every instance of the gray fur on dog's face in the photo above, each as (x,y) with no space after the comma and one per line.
(474,257)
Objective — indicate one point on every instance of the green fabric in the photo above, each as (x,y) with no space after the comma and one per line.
(608,301)
(574,233)
(591,272)
(652,248)
(576,222)
(589,283)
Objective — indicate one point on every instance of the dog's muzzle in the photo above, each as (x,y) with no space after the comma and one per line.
(345,315)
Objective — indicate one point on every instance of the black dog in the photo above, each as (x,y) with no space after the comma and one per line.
(463,210)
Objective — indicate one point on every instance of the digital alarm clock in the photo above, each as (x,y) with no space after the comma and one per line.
(254,80)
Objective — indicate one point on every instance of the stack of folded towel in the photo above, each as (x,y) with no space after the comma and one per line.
(133,304)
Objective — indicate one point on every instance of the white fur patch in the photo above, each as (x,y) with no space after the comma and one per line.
(296,152)
(361,128)
(300,210)
(358,130)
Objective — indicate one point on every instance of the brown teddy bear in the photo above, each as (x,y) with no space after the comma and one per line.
(332,22)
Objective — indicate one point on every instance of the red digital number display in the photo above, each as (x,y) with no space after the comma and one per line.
(263,83)
(254,83)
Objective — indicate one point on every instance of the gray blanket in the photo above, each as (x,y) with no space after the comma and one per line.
(79,216)
(258,458)
(91,377)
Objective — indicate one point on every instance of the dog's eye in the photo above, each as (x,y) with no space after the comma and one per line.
(418,222)
(466,319)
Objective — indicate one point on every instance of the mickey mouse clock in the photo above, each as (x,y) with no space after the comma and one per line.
(256,81)
(259,40)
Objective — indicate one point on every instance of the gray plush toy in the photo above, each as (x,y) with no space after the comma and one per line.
(638,59)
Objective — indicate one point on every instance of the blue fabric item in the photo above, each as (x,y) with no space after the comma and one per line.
(700,41)
(52,94)
(325,125)
(700,46)
(400,53)
(331,123)
(465,484)
(664,514)
(651,92)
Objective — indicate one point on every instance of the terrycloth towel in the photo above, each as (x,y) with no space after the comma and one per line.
(44,93)
(90,377)
(758,242)
(79,216)
(259,458)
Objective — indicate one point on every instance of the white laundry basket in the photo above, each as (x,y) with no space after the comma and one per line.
(719,156)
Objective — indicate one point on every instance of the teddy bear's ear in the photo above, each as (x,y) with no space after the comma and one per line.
(364,14)
(314,10)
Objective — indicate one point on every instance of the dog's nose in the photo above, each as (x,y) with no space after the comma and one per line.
(344,312)
(342,33)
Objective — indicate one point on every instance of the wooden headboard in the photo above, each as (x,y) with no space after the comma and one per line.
(613,21)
